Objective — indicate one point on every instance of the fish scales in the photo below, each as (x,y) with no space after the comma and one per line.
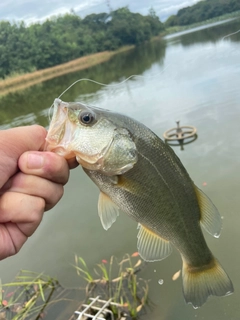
(174,205)
(141,175)
(138,203)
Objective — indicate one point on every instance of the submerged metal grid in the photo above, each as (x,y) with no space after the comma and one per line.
(102,311)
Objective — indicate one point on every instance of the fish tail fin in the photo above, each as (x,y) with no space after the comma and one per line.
(202,282)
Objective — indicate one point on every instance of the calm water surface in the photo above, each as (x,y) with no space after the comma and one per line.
(194,78)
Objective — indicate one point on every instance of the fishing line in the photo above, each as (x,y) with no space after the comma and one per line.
(230,34)
(104,84)
(122,82)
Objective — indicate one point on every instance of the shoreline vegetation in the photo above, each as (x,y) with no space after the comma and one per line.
(221,19)
(20,82)
(65,38)
(23,81)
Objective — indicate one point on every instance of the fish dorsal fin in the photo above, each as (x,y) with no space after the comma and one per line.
(107,210)
(151,247)
(210,217)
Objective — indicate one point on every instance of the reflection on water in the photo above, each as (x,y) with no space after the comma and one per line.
(213,34)
(182,143)
(194,78)
(16,108)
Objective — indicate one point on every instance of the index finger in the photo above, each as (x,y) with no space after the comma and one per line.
(15,142)
(47,165)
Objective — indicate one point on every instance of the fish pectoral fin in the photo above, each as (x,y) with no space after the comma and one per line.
(152,247)
(210,217)
(107,210)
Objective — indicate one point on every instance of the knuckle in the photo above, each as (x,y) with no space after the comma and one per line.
(40,204)
(34,219)
(4,204)
(41,131)
(56,168)
(60,192)
(55,197)
(38,209)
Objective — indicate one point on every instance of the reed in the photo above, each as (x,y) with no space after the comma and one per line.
(19,82)
(27,296)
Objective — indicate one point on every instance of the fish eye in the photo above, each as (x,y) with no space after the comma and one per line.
(86,117)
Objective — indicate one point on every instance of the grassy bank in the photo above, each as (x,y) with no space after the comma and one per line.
(227,16)
(26,80)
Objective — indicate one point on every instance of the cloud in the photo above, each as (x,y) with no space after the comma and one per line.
(177,6)
(34,10)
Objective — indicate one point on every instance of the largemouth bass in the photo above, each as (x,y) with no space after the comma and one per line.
(141,175)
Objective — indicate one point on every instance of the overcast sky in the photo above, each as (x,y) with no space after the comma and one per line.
(39,10)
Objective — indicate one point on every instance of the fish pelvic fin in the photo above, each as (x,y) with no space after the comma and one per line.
(210,218)
(200,283)
(107,210)
(152,247)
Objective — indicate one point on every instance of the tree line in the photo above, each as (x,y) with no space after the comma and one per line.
(201,11)
(64,38)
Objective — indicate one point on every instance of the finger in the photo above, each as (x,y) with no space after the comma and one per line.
(72,163)
(19,219)
(25,211)
(11,239)
(16,141)
(47,165)
(36,186)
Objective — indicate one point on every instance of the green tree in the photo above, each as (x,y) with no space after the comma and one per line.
(203,10)
(64,38)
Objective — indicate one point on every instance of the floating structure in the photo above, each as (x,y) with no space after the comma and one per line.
(180,133)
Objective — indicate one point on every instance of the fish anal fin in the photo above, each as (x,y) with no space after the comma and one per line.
(152,247)
(107,210)
(210,217)
(200,283)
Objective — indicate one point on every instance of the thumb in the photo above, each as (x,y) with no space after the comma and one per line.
(13,143)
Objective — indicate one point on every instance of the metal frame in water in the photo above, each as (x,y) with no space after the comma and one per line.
(102,312)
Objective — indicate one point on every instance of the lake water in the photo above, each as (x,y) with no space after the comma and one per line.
(192,77)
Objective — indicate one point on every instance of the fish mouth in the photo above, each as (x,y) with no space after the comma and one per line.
(63,153)
(60,131)
(61,136)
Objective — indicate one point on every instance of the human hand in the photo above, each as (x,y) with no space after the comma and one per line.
(31,182)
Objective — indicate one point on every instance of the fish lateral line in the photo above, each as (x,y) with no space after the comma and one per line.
(156,169)
(176,207)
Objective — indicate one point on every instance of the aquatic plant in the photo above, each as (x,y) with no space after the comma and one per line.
(27,296)
(33,296)
(117,281)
